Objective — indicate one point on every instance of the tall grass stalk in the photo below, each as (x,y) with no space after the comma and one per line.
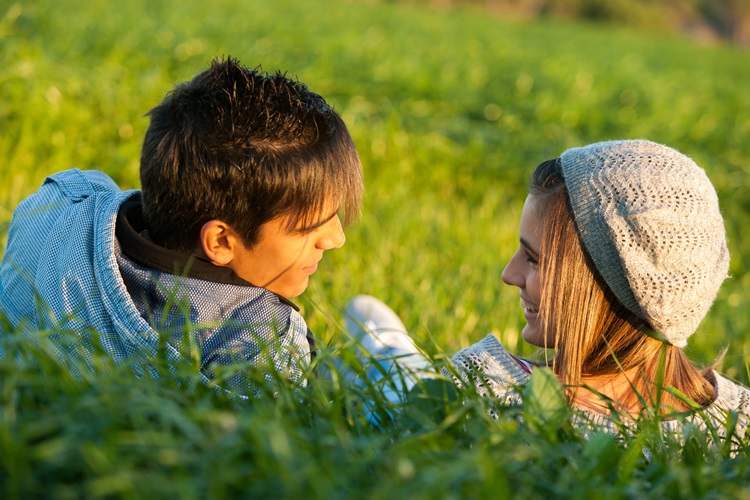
(450,112)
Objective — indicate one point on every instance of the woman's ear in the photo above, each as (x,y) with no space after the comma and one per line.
(218,242)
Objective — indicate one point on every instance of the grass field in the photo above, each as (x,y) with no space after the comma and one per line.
(450,111)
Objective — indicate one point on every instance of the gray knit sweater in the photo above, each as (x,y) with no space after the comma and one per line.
(497,374)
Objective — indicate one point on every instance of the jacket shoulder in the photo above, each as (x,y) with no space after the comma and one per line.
(80,184)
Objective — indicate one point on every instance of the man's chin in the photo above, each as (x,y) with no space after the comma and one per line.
(291,292)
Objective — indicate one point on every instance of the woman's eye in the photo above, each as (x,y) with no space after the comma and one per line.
(531,260)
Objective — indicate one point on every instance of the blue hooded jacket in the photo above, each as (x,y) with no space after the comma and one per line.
(64,270)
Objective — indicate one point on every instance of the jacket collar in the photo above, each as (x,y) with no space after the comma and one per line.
(130,225)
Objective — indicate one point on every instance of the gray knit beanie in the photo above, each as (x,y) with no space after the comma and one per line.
(649,217)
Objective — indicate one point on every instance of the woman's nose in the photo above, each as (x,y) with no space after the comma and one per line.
(512,274)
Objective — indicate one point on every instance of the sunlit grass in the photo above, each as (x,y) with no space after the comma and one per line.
(450,111)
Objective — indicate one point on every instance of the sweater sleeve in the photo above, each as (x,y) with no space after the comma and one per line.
(492,370)
(733,397)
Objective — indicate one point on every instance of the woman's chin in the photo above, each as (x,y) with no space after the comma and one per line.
(533,336)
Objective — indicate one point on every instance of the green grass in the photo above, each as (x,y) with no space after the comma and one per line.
(450,111)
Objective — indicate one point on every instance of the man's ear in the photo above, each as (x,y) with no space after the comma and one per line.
(218,242)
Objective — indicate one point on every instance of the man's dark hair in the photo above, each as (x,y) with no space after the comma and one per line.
(244,147)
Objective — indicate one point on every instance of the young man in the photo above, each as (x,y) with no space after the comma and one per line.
(243,178)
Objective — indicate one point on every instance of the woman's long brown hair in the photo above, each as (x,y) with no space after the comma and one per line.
(594,334)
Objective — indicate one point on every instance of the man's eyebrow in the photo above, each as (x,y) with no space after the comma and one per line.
(528,248)
(316,225)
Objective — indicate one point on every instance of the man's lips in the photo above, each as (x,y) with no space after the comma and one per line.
(311,269)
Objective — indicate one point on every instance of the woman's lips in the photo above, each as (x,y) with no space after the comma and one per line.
(530,311)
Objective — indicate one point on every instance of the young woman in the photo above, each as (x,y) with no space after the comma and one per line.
(622,252)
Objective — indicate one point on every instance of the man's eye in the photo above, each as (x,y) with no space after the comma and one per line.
(304,231)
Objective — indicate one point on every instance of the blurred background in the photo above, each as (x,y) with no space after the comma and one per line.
(451,104)
(706,21)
